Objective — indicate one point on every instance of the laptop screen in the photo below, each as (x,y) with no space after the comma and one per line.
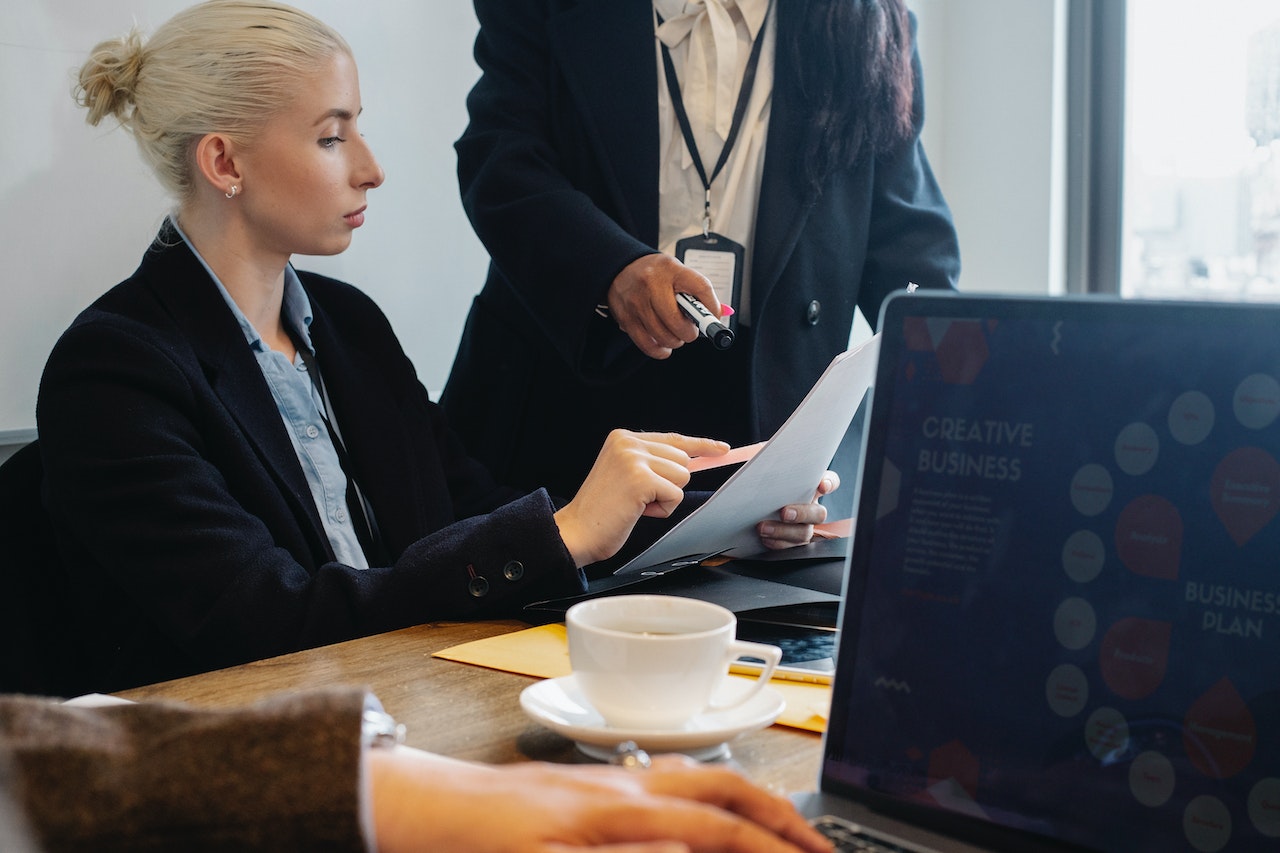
(1063,605)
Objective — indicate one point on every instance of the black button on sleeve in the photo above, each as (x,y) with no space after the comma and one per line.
(513,570)
(478,587)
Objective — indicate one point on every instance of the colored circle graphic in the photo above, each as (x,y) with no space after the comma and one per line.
(1257,401)
(1106,733)
(1134,656)
(1191,418)
(1149,537)
(1067,690)
(1207,824)
(1083,556)
(1151,779)
(1264,806)
(1074,623)
(1137,447)
(1091,489)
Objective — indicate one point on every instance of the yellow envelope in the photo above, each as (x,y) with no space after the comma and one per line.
(543,652)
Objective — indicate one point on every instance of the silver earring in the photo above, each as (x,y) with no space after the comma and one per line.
(234,189)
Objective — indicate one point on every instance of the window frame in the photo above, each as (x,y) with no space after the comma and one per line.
(1095,144)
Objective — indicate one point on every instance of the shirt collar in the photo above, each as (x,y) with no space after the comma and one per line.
(295,311)
(753,11)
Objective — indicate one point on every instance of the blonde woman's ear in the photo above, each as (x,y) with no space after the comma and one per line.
(216,164)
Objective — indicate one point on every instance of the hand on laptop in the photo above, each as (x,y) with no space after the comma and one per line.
(426,801)
(794,524)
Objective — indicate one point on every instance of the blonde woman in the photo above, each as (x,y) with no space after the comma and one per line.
(239,458)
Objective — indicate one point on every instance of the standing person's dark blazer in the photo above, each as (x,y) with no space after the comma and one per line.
(559,175)
(183,515)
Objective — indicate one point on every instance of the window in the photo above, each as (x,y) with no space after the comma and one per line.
(1200,214)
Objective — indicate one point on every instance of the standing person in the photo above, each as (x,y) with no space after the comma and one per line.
(239,459)
(582,182)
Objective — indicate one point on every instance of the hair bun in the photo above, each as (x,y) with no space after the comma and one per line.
(109,78)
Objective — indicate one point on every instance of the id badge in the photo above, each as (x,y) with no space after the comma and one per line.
(720,260)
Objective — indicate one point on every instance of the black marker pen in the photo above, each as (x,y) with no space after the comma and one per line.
(711,328)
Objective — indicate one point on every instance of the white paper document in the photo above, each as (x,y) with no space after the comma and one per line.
(785,471)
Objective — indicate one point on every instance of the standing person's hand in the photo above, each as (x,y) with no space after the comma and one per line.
(636,474)
(642,300)
(423,801)
(794,524)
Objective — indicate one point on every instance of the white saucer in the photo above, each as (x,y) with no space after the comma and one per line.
(558,704)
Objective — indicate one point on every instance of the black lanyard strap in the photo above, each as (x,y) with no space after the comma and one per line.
(739,110)
(366,527)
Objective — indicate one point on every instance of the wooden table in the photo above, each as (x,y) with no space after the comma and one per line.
(457,709)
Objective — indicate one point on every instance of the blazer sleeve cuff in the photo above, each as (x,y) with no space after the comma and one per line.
(283,774)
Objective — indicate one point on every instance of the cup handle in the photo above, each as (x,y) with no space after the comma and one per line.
(771,655)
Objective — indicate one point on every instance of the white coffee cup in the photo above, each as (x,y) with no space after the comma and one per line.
(654,662)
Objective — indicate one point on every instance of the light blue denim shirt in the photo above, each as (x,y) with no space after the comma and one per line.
(300,407)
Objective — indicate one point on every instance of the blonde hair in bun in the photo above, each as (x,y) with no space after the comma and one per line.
(108,78)
(223,66)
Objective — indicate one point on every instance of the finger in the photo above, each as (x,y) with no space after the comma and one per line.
(664,320)
(676,324)
(665,500)
(647,345)
(652,454)
(636,318)
(775,536)
(731,795)
(645,341)
(803,514)
(829,483)
(707,829)
(689,445)
(649,847)
(694,283)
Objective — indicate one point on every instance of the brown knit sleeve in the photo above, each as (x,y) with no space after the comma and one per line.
(281,775)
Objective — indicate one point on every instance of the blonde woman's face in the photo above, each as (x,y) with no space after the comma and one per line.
(304,179)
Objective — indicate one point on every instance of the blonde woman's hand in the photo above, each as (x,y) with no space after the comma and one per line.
(636,474)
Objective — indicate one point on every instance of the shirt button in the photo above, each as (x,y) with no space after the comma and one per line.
(813,312)
(513,570)
(341,515)
(478,587)
(312,432)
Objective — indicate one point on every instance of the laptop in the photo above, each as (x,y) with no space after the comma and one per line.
(1061,617)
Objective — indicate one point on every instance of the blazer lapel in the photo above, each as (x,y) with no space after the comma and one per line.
(373,432)
(785,203)
(613,75)
(198,309)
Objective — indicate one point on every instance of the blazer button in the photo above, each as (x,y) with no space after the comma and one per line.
(813,312)
(478,587)
(513,570)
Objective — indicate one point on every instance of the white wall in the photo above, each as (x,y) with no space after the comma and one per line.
(994,134)
(78,207)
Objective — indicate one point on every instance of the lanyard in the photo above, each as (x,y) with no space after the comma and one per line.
(739,110)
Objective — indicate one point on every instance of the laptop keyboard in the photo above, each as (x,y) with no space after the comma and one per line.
(851,838)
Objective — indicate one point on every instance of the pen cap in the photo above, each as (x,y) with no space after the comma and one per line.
(721,337)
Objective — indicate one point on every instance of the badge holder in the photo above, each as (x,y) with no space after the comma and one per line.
(713,255)
(719,259)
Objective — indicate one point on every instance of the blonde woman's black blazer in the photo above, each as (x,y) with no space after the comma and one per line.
(183,516)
